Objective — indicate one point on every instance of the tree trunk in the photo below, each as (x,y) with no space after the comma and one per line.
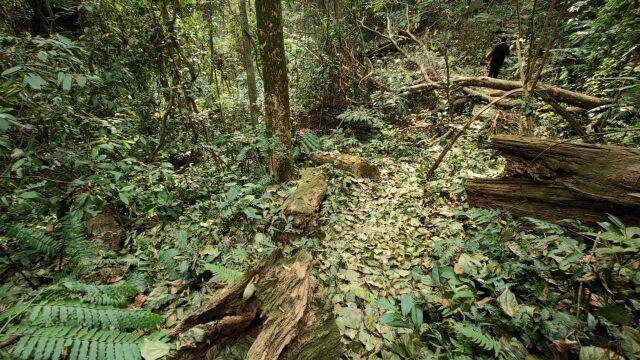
(276,87)
(247,61)
(553,180)
(286,309)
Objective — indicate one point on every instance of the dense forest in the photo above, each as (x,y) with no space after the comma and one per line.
(320,179)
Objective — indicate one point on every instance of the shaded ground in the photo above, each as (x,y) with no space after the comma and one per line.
(378,236)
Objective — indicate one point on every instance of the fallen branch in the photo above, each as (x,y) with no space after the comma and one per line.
(488,98)
(464,128)
(561,95)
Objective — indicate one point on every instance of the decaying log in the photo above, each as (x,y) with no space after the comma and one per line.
(303,204)
(553,180)
(356,165)
(286,309)
(562,95)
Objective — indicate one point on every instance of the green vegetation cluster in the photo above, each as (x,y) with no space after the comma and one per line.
(134,184)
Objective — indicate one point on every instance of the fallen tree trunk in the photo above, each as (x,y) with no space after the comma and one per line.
(553,180)
(303,204)
(356,165)
(489,98)
(277,299)
(566,96)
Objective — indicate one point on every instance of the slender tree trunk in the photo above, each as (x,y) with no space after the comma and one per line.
(247,60)
(276,87)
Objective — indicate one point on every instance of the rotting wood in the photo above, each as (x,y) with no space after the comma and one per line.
(553,180)
(356,165)
(303,204)
(287,309)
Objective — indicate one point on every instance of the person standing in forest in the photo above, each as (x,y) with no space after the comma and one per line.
(496,57)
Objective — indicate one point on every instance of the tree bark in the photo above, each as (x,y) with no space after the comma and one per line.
(356,165)
(286,309)
(247,61)
(276,87)
(553,180)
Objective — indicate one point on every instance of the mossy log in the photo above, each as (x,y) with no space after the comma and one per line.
(356,165)
(303,204)
(553,180)
(286,310)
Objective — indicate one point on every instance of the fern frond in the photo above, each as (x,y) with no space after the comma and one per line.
(34,239)
(74,341)
(310,142)
(476,336)
(222,273)
(239,255)
(93,316)
(114,295)
(76,245)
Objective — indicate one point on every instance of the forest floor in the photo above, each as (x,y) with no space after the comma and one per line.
(379,235)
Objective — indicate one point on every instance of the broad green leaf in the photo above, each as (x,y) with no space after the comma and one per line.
(417,316)
(34,81)
(12,70)
(435,272)
(153,350)
(66,83)
(393,319)
(82,81)
(30,195)
(508,302)
(406,304)
(124,196)
(385,304)
(593,353)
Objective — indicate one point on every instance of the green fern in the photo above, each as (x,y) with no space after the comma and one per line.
(76,245)
(310,142)
(222,273)
(476,336)
(93,316)
(114,295)
(73,342)
(34,239)
(239,255)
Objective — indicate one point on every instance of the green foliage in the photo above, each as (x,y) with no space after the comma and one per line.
(113,295)
(74,330)
(78,342)
(310,142)
(89,315)
(478,337)
(222,273)
(34,239)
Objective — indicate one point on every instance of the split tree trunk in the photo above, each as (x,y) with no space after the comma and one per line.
(286,309)
(553,180)
(276,87)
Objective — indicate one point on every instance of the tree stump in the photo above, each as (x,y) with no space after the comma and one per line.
(552,180)
(353,164)
(286,309)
